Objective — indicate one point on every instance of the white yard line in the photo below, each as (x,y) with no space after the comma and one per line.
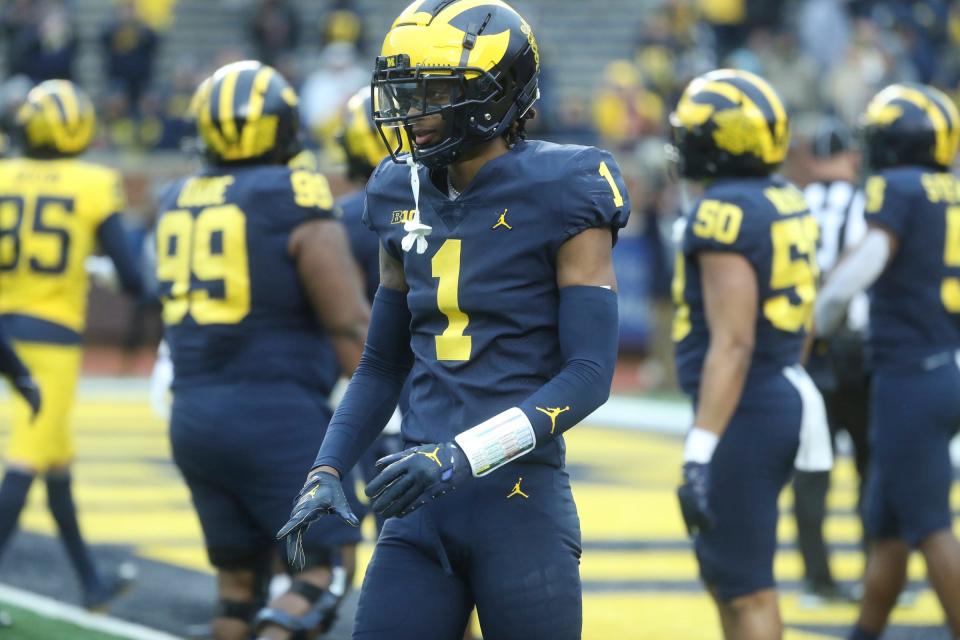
(50,608)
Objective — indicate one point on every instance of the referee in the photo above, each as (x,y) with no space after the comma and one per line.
(836,364)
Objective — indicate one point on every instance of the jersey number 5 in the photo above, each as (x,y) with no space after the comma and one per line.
(794,267)
(202,265)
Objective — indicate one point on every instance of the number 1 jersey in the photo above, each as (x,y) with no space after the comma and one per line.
(233,303)
(50,211)
(484,296)
(766,220)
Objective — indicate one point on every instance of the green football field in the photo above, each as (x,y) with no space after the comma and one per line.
(639,576)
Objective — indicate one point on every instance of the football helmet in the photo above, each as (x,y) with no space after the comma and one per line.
(910,124)
(358,136)
(729,123)
(246,112)
(56,120)
(473,63)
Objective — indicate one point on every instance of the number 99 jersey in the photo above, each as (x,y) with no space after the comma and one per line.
(233,303)
(766,220)
(915,304)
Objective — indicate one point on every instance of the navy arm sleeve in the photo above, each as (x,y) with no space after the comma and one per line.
(375,387)
(113,239)
(589,335)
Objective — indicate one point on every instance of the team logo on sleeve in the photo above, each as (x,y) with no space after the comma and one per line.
(502,221)
(553,412)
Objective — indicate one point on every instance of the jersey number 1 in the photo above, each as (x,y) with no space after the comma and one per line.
(451,344)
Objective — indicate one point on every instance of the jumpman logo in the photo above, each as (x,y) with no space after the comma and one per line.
(553,412)
(516,490)
(502,222)
(432,455)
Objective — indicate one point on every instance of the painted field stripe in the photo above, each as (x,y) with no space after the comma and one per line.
(50,608)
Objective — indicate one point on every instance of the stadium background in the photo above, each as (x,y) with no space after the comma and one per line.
(612,69)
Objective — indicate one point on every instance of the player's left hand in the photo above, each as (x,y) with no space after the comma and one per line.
(693,497)
(408,479)
(27,387)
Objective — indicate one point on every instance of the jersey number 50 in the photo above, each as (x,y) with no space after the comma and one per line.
(202,265)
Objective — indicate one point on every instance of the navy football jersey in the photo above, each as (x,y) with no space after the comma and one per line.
(233,304)
(765,220)
(484,295)
(364,243)
(915,304)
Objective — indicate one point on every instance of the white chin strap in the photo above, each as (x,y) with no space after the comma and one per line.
(417,232)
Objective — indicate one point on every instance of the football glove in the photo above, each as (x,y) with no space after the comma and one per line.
(321,495)
(408,479)
(29,391)
(693,497)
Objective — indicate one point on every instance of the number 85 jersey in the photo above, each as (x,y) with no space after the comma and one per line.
(766,220)
(234,307)
(483,296)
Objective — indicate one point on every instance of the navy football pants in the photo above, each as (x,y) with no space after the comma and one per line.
(508,543)
(914,415)
(244,451)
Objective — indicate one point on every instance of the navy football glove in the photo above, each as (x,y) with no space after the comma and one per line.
(693,497)
(29,391)
(407,480)
(321,495)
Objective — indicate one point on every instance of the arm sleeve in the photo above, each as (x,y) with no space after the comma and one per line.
(375,386)
(589,333)
(113,239)
(855,273)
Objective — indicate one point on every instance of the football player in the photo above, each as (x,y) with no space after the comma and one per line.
(263,309)
(910,255)
(835,365)
(744,285)
(54,211)
(497,296)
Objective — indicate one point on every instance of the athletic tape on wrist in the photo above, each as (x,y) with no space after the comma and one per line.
(699,445)
(495,442)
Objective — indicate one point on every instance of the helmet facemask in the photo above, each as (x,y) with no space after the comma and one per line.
(462,107)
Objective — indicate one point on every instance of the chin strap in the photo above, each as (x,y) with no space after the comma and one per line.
(417,232)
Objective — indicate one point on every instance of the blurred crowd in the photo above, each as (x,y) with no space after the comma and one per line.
(142,110)
(823,56)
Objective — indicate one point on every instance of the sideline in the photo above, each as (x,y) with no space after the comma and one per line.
(55,610)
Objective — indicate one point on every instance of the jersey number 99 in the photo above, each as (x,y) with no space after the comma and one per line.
(202,265)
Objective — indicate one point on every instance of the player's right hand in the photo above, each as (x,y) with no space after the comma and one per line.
(321,495)
(693,497)
(30,392)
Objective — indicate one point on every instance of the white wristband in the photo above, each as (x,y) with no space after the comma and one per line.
(495,442)
(699,445)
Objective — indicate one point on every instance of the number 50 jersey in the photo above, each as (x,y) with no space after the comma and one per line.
(766,220)
(233,303)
